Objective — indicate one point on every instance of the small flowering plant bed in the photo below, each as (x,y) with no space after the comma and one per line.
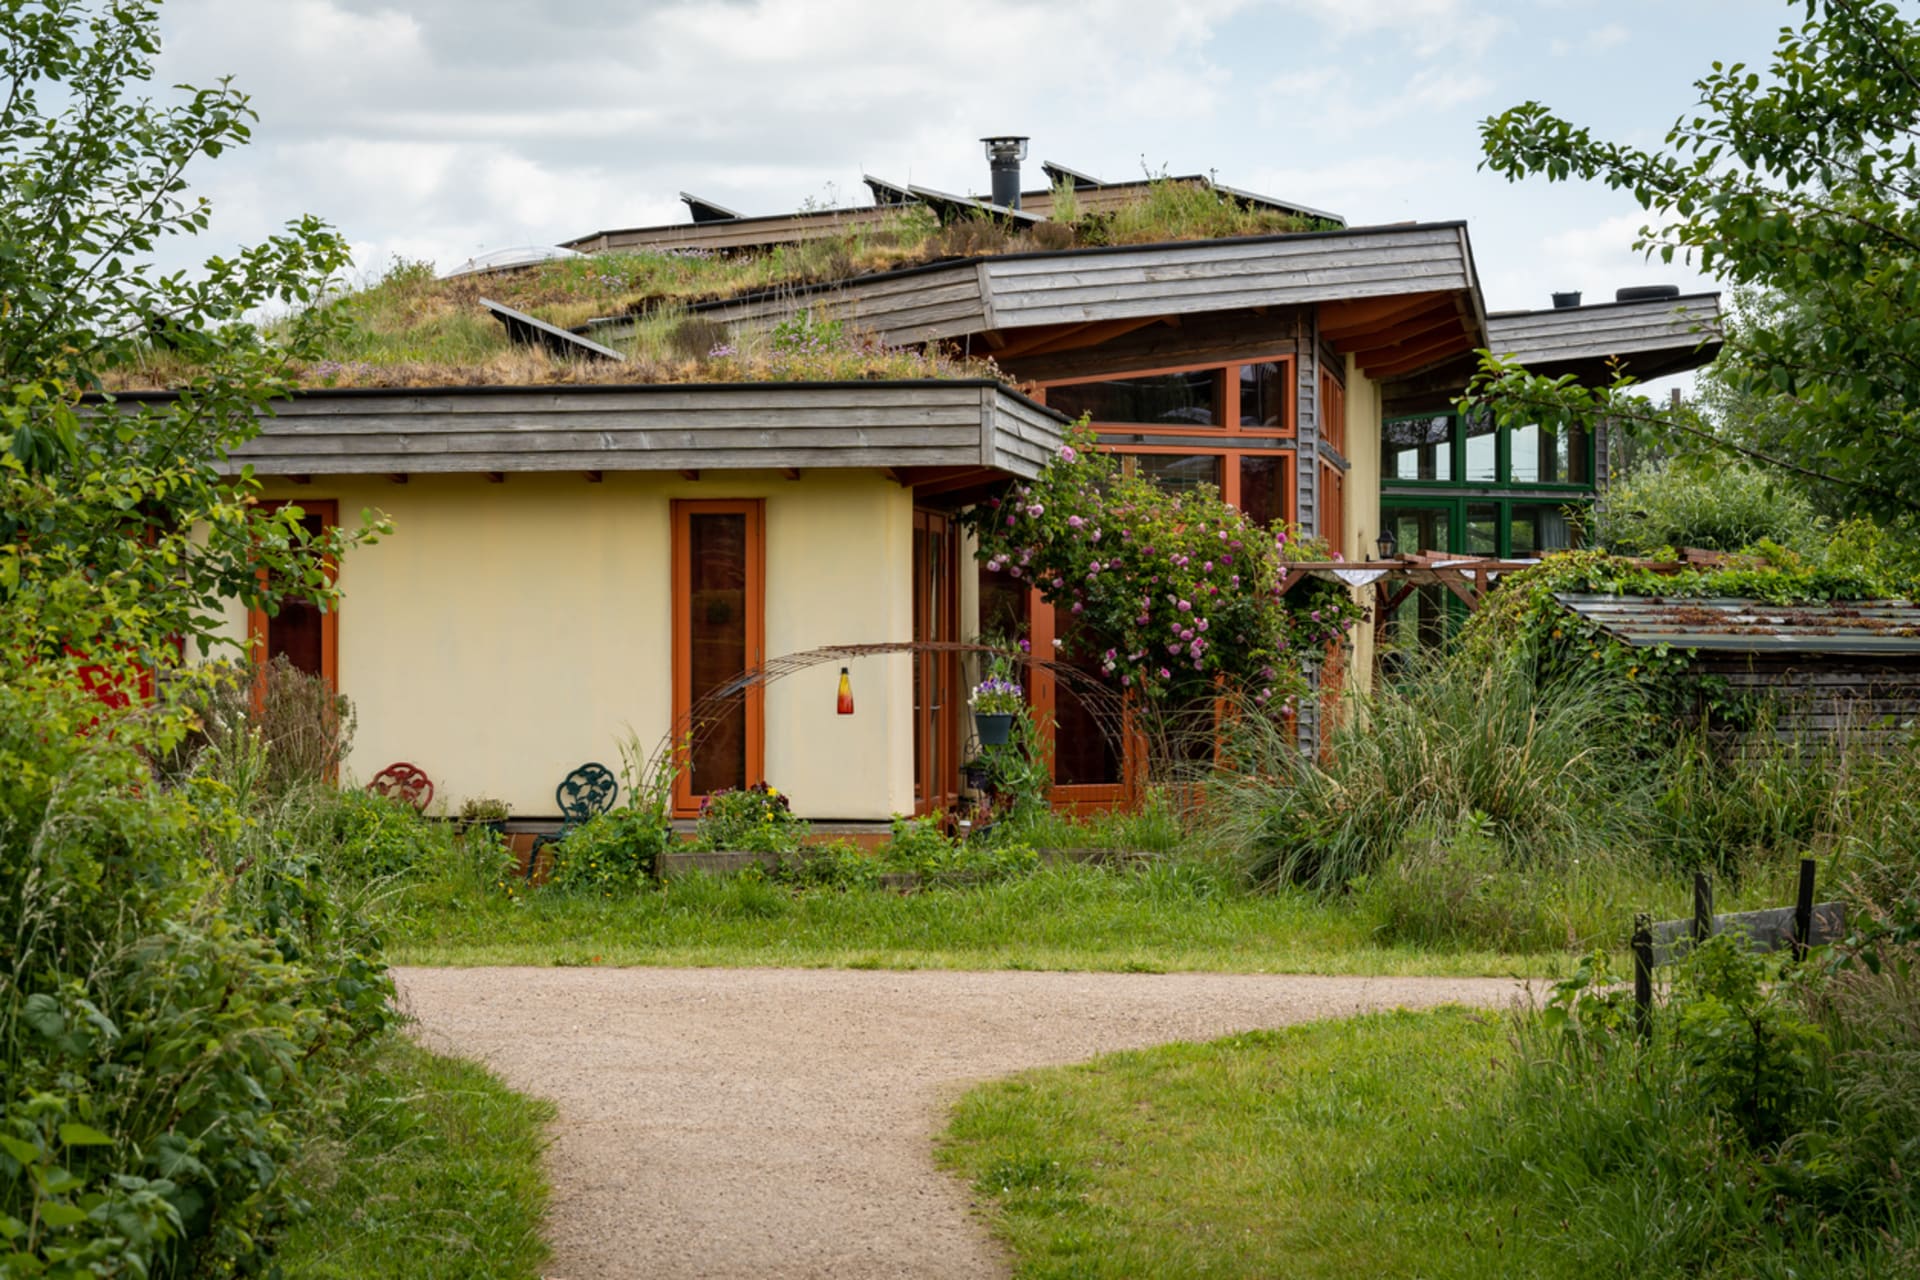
(1176,593)
(755,819)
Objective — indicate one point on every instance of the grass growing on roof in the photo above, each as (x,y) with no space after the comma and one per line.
(409,328)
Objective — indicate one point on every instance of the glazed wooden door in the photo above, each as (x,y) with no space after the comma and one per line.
(719,633)
(937,697)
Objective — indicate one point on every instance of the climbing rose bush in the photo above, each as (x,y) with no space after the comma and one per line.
(1174,593)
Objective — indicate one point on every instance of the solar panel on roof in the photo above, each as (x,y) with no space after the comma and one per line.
(707,210)
(528,330)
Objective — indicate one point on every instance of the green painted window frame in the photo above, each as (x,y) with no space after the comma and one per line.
(1503,463)
(1456,509)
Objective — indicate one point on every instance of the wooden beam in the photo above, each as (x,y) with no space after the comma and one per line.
(398,477)
(1420,326)
(791,473)
(1073,337)
(1342,320)
(893,474)
(300,478)
(1419,357)
(593,477)
(994,338)
(690,473)
(496,477)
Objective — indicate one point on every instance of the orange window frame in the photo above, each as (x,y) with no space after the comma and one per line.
(1333,411)
(258,620)
(1229,398)
(936,616)
(686,803)
(1333,504)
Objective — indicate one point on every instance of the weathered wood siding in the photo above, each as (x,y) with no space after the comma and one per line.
(657,428)
(1067,288)
(1816,695)
(1606,329)
(1018,291)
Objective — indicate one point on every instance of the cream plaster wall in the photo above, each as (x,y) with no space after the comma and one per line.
(508,632)
(1361,519)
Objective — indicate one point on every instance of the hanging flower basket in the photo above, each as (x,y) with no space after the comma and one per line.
(992,728)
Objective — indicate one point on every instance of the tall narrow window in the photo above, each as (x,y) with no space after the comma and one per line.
(719,593)
(301,632)
(936,676)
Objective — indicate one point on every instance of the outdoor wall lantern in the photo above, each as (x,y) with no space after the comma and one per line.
(845,704)
(1388,544)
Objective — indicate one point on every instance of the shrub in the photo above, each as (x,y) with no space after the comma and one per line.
(612,852)
(755,819)
(365,836)
(920,846)
(1713,505)
(838,864)
(178,985)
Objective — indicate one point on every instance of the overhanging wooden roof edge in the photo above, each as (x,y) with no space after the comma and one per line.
(592,388)
(1085,252)
(654,427)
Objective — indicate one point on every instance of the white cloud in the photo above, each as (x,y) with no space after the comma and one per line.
(1598,40)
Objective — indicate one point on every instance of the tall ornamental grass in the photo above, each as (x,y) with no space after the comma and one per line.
(1542,772)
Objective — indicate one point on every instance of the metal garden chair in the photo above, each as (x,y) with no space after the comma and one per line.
(581,796)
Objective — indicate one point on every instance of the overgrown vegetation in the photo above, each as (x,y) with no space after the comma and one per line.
(1766,1126)
(411,328)
(434,1170)
(1690,502)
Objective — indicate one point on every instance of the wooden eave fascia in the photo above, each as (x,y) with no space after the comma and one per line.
(689,429)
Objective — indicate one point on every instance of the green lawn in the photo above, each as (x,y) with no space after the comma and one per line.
(436,1174)
(1314,1151)
(1173,917)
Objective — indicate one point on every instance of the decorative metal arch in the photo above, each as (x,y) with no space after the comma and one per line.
(1168,736)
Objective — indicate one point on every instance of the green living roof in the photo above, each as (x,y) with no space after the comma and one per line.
(414,328)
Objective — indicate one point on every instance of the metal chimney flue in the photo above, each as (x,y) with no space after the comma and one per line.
(1004,155)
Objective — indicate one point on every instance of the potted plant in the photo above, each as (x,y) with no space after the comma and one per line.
(995,702)
(485,811)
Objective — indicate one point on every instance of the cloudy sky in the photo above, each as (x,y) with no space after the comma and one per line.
(440,129)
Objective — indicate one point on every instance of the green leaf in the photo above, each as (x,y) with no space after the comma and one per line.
(75,1134)
(61,1216)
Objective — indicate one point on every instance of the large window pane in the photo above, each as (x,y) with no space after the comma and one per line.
(1538,527)
(1418,528)
(1177,471)
(718,613)
(1263,394)
(1483,529)
(1418,448)
(1190,399)
(1543,455)
(1262,488)
(1085,741)
(295,633)
(1483,465)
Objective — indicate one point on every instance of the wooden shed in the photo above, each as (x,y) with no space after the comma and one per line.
(1836,666)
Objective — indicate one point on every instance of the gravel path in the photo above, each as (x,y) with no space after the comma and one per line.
(780,1122)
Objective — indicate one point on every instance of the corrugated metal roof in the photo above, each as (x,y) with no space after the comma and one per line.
(1884,628)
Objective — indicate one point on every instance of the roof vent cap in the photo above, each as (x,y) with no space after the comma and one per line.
(1561,301)
(1004,154)
(1646,292)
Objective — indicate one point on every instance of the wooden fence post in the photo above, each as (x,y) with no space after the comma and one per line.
(1702,908)
(1643,974)
(1803,911)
